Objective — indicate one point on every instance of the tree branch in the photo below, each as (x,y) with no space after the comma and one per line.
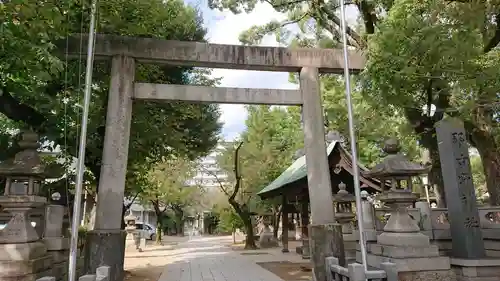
(284,4)
(368,15)
(20,112)
(495,40)
(359,42)
(156,206)
(132,201)
(221,186)
(236,173)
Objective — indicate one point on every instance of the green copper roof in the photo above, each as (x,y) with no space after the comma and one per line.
(296,171)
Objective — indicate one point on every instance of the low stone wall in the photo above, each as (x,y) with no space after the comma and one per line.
(101,274)
(356,271)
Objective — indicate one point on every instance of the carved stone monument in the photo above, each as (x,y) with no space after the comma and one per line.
(468,252)
(467,240)
(401,242)
(23,256)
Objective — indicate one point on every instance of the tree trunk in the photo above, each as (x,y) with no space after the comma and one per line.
(424,127)
(247,222)
(158,234)
(490,156)
(159,227)
(250,238)
(124,211)
(276,222)
(179,220)
(180,229)
(436,174)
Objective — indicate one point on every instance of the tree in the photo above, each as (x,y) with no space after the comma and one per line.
(267,148)
(229,221)
(374,122)
(441,53)
(417,34)
(240,208)
(43,91)
(168,189)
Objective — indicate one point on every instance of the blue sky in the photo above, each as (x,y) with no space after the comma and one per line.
(224,28)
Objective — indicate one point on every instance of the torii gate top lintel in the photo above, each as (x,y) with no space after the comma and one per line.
(199,54)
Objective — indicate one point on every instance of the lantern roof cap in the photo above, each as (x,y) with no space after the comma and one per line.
(396,164)
(27,161)
(343,195)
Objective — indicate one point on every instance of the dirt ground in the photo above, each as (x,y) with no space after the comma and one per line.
(149,264)
(289,271)
(294,270)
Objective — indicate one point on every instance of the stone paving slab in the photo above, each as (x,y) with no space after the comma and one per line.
(209,259)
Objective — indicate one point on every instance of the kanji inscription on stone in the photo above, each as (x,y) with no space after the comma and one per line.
(463,215)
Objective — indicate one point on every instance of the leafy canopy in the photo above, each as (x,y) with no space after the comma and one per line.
(168,184)
(270,141)
(44,91)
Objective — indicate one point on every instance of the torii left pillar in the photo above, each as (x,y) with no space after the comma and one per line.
(106,243)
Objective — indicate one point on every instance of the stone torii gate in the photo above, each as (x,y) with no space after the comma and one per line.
(106,240)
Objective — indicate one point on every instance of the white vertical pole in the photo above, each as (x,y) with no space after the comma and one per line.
(352,134)
(82,222)
(81,150)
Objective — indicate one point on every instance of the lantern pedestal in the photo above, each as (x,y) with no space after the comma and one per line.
(402,242)
(19,228)
(22,253)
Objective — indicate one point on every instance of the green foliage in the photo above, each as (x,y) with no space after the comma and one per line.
(269,143)
(478,176)
(374,122)
(45,92)
(168,185)
(420,41)
(229,221)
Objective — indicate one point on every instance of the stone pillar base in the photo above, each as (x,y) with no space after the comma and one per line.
(106,247)
(325,241)
(306,250)
(476,269)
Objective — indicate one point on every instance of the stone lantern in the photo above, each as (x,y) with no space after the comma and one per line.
(401,240)
(24,175)
(399,171)
(343,201)
(133,234)
(344,215)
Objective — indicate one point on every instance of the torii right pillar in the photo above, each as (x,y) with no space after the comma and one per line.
(323,231)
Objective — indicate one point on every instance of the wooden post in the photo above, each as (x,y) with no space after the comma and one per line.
(284,223)
(304,224)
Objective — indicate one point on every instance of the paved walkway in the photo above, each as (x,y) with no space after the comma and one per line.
(211,259)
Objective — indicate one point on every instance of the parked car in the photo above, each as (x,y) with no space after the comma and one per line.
(149,230)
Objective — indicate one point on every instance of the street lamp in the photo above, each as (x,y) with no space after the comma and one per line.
(425,181)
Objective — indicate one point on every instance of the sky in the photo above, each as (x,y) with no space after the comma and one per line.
(224,28)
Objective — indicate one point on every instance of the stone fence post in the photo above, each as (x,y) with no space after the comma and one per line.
(57,245)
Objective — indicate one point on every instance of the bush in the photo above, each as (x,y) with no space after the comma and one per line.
(229,221)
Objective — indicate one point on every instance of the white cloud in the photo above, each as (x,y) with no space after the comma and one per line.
(225,28)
